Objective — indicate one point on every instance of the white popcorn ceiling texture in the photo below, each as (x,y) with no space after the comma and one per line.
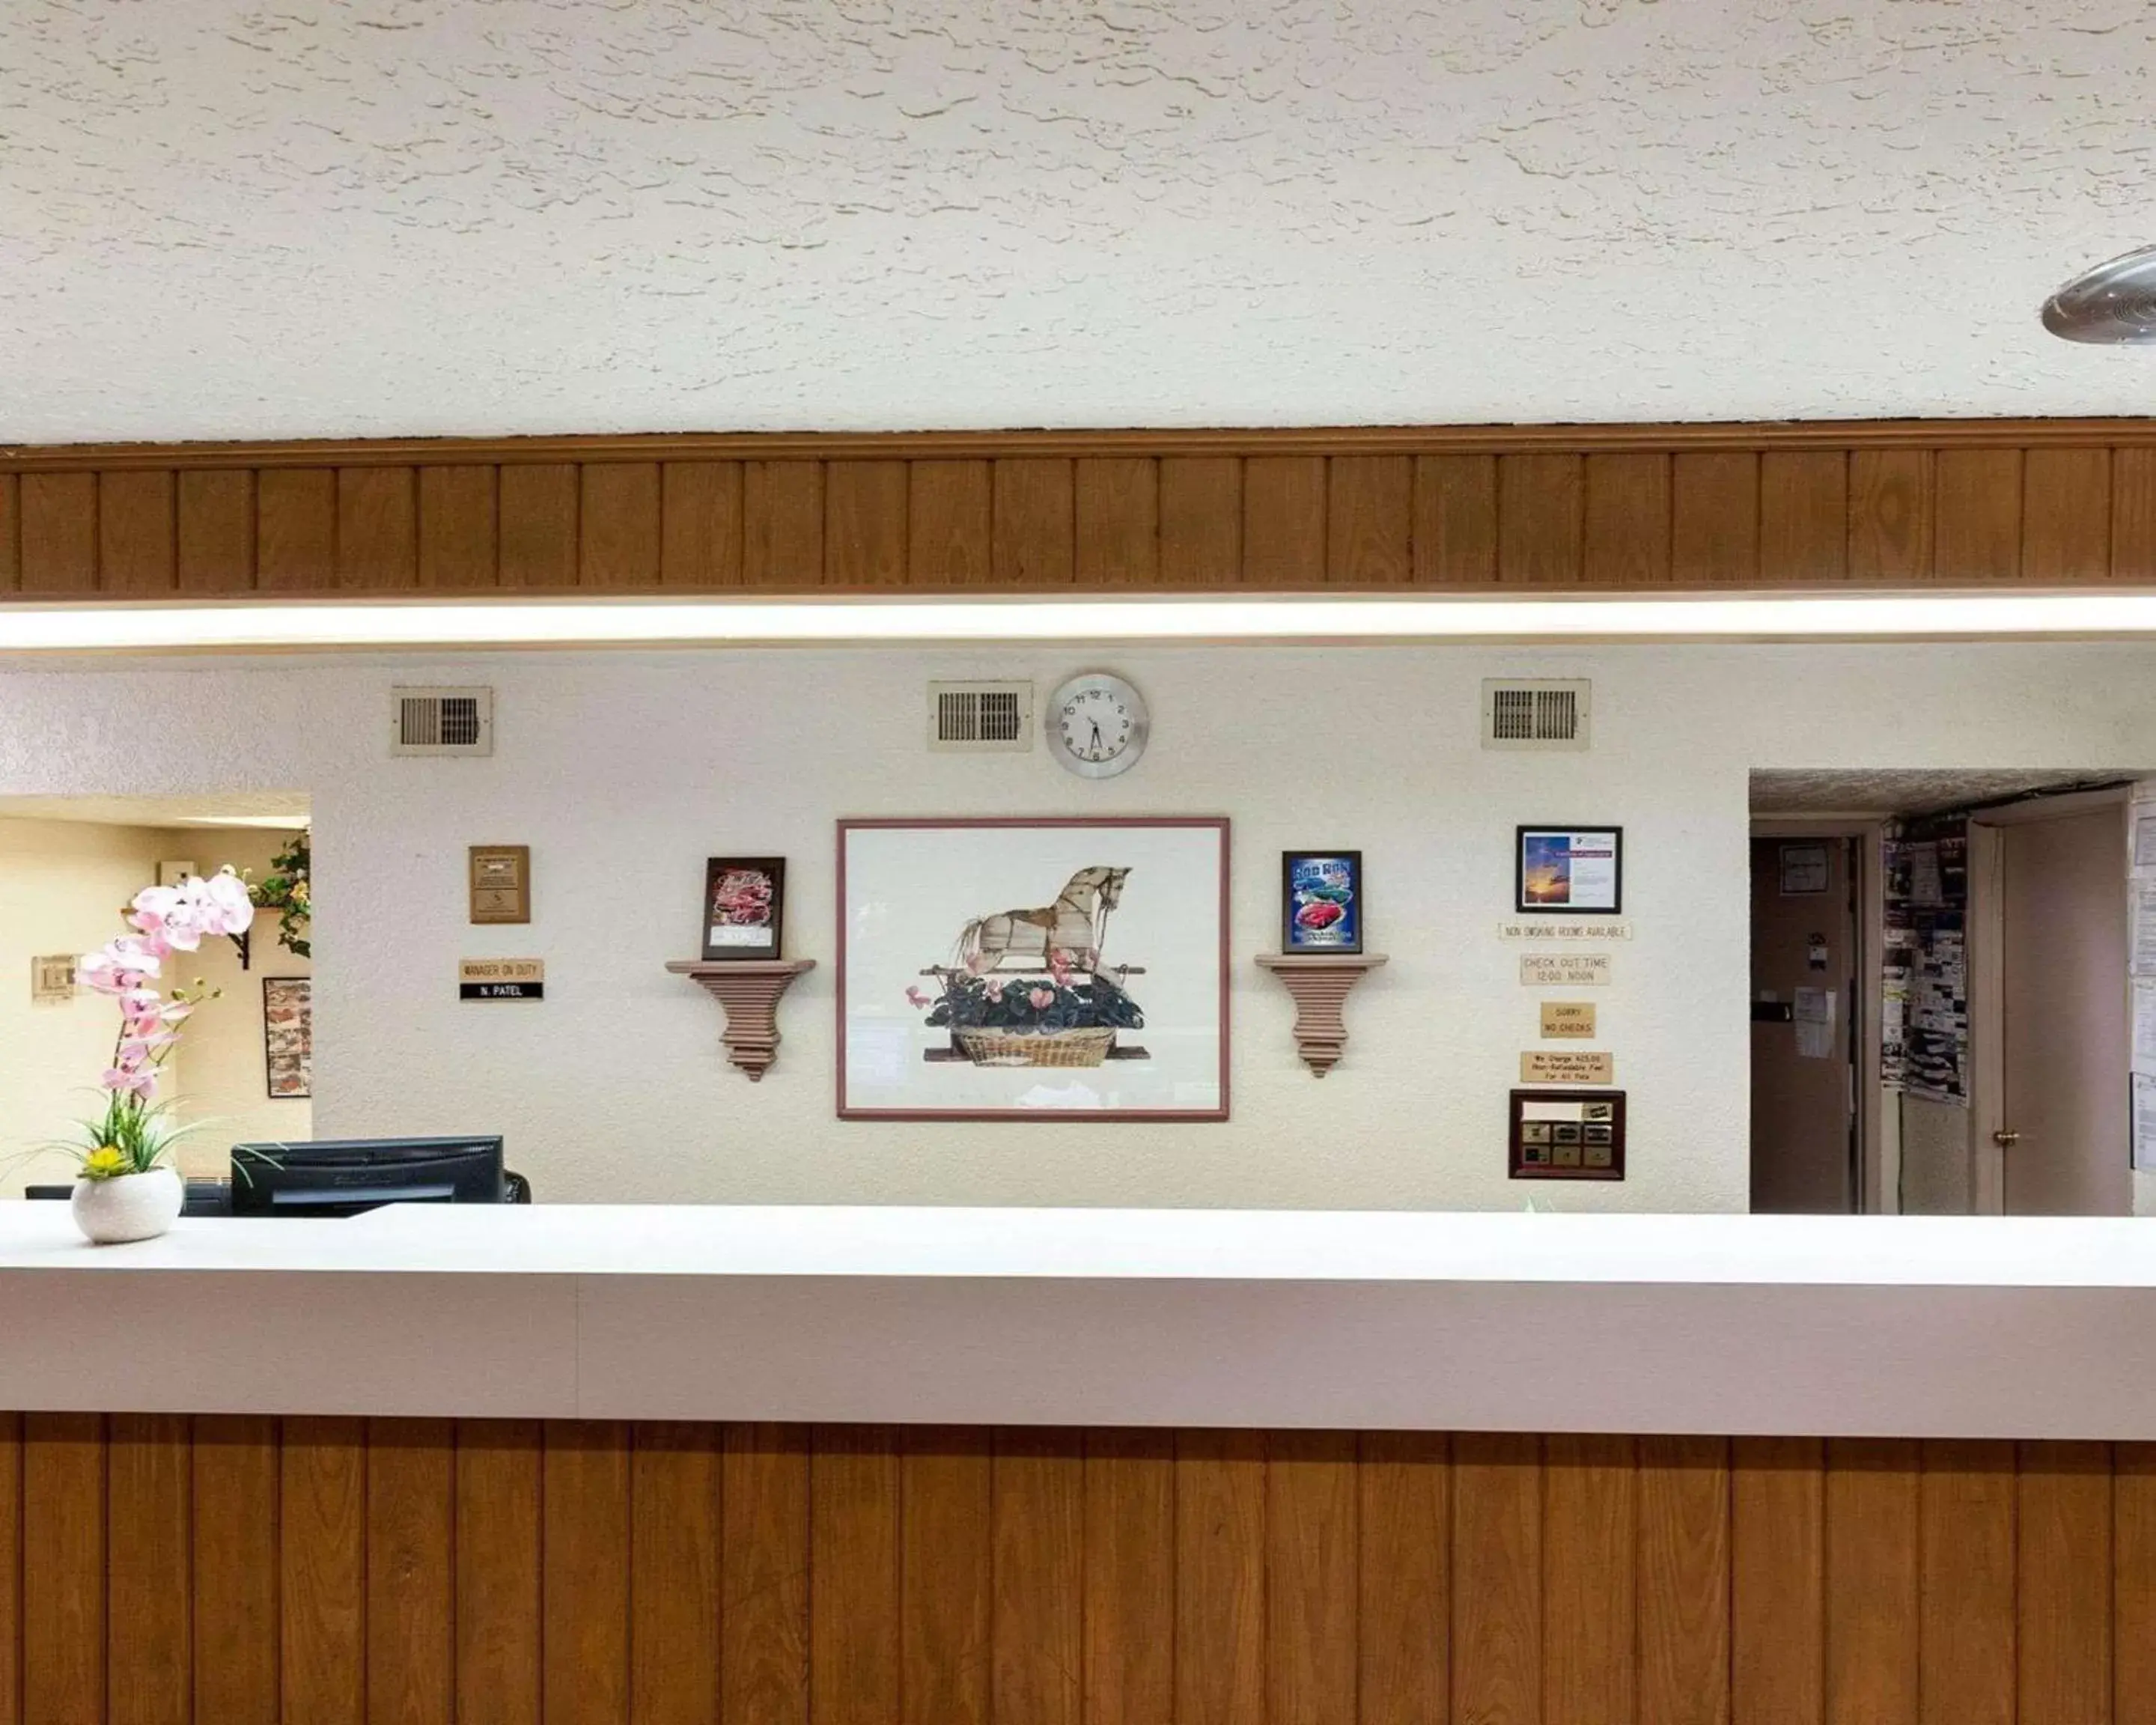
(441,216)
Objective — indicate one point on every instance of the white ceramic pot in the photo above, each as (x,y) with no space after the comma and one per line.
(129,1207)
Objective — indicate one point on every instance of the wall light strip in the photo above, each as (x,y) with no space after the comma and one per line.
(41,628)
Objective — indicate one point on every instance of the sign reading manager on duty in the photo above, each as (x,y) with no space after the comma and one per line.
(501,979)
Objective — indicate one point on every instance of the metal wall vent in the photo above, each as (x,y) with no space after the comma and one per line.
(441,721)
(976,717)
(1544,715)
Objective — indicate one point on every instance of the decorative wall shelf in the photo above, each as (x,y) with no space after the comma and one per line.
(1320,982)
(748,988)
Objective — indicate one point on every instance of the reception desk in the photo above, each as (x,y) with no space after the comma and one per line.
(1096,1467)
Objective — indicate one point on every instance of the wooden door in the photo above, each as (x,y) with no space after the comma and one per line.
(1803,1087)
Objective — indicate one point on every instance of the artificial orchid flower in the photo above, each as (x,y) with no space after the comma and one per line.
(120,967)
(139,1082)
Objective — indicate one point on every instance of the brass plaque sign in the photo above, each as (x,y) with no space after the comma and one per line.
(1564,970)
(501,979)
(1565,1065)
(502,883)
(1568,1018)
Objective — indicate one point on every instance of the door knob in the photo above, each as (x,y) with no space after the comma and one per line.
(2004,1139)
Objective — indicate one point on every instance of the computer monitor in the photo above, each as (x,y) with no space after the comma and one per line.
(343,1177)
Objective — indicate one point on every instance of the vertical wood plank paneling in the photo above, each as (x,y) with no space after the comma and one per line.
(700,535)
(2066,516)
(1116,505)
(1038,1511)
(1890,515)
(854,1496)
(215,536)
(1313,1533)
(321,1500)
(783,523)
(952,513)
(1496,1579)
(1803,517)
(1714,518)
(64,1575)
(135,531)
(1201,520)
(58,532)
(458,543)
(1684,1580)
(584,1573)
(411,1556)
(2064,1583)
(674,1574)
(2134,1585)
(499,1466)
(378,528)
(11,547)
(2133,517)
(295,523)
(11,1569)
(1370,520)
(1036,515)
(1627,519)
(1591,1515)
(1977,535)
(1220,1577)
(1872,1581)
(1284,520)
(1967,1632)
(946,1556)
(1403,1615)
(1129,1578)
(764,1575)
(1778,1581)
(536,524)
(149,1631)
(1456,520)
(234,1497)
(864,523)
(618,525)
(1541,509)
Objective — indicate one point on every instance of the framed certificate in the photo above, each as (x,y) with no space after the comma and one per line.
(1571,869)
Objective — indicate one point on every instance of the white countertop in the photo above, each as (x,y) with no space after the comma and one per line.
(1890,1326)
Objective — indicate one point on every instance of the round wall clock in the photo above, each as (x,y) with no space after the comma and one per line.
(1096,726)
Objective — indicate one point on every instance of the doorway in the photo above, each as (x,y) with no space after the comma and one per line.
(2051,1013)
(1806,1024)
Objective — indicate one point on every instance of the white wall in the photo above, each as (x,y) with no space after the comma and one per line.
(624,770)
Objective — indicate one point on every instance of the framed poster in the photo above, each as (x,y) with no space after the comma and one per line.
(1570,869)
(287,1035)
(1321,902)
(744,906)
(1033,969)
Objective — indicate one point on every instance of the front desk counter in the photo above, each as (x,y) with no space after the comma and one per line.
(1087,1466)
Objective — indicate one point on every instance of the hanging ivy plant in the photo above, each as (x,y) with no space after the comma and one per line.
(287,892)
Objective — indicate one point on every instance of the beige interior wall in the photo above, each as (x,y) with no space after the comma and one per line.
(62,886)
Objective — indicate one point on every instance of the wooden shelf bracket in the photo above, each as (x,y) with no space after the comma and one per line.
(748,989)
(1319,982)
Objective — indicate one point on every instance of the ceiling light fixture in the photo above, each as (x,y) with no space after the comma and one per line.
(2112,304)
(40,628)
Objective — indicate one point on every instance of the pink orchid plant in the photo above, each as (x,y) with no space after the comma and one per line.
(133,1135)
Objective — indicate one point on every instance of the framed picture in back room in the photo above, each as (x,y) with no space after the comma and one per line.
(288,1036)
(1033,969)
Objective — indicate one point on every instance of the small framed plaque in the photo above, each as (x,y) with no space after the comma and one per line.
(744,906)
(1321,902)
(501,883)
(1570,871)
(1567,1135)
(52,979)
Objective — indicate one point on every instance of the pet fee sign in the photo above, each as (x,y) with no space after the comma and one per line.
(1565,1065)
(501,979)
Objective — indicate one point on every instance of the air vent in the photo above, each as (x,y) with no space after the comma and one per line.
(1534,715)
(441,721)
(980,717)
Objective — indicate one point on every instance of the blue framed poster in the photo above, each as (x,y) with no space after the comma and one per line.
(1321,902)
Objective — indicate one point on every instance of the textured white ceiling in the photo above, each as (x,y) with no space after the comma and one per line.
(1896,790)
(423,216)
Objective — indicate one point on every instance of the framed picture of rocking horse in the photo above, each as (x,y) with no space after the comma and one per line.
(1012,969)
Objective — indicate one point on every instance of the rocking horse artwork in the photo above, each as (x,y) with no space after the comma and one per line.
(1034,984)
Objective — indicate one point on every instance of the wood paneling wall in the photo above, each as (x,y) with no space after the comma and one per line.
(226,1570)
(1958,503)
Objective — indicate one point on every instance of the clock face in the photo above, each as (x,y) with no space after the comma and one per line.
(1096,726)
